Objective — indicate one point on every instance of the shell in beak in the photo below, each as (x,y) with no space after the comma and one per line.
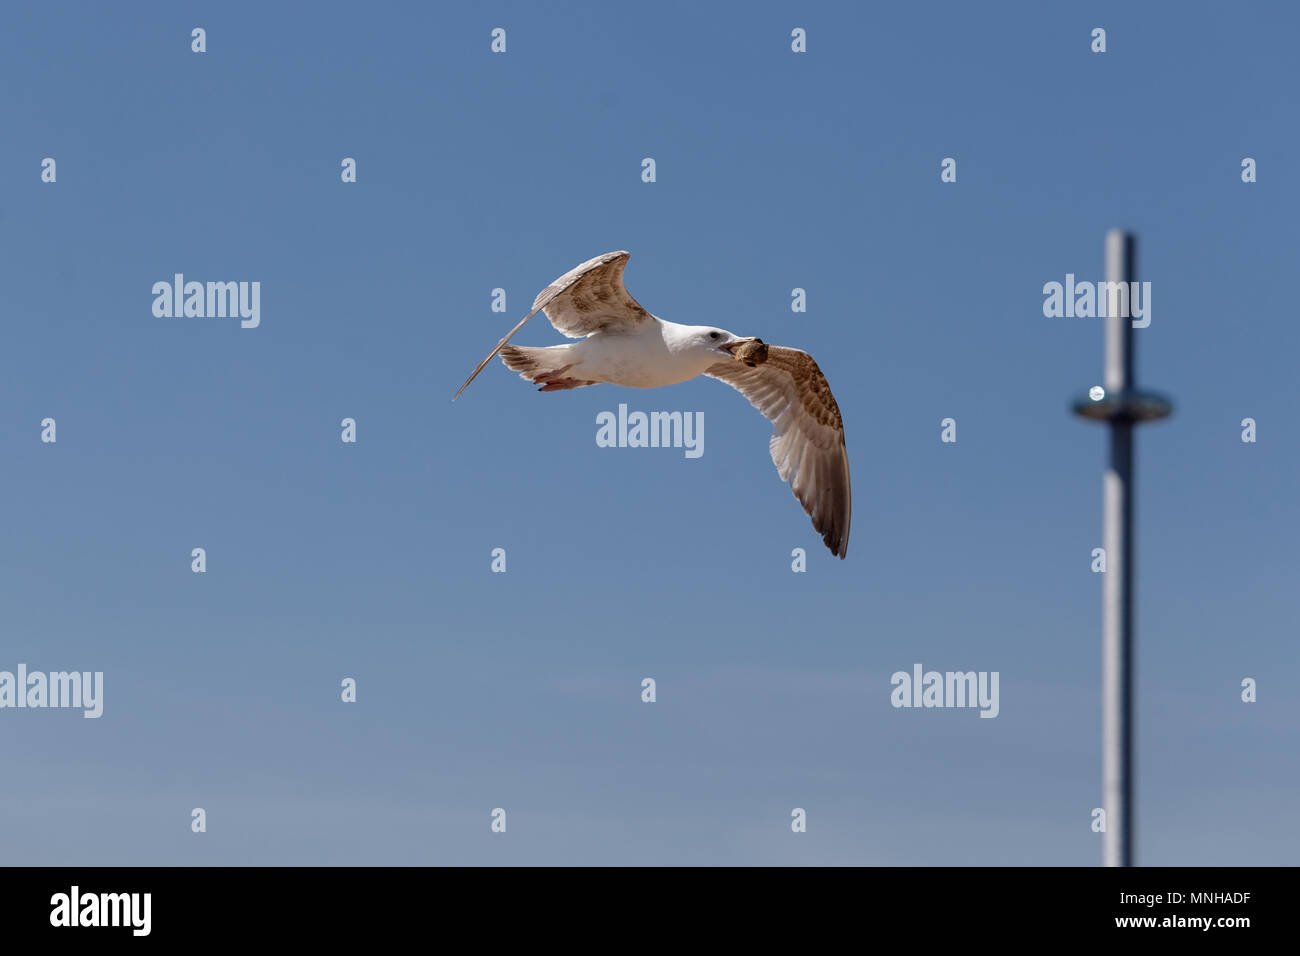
(751,351)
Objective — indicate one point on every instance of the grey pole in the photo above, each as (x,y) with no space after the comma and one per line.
(1122,405)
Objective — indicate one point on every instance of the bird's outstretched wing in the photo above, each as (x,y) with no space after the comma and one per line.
(807,441)
(590,298)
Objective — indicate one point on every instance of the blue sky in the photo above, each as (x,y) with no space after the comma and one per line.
(521,690)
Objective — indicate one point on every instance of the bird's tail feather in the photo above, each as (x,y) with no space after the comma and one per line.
(531,361)
(543,366)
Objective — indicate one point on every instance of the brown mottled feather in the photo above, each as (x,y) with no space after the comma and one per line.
(590,298)
(807,442)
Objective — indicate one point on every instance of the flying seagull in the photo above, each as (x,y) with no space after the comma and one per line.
(623,344)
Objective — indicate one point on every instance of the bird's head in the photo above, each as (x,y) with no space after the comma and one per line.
(714,341)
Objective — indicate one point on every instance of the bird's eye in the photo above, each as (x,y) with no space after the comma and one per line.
(713,335)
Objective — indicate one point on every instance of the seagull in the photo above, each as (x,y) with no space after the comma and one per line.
(623,344)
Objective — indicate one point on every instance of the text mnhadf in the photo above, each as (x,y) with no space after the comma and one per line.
(55,689)
(215,300)
(949,689)
(102,909)
(656,430)
(1088,300)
